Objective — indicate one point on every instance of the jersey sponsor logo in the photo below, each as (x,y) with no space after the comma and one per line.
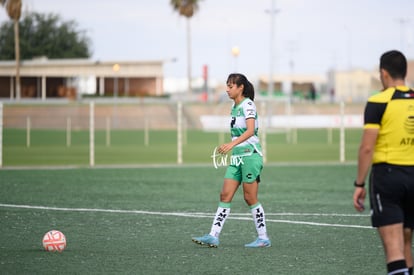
(407,141)
(250,112)
(409,125)
(409,128)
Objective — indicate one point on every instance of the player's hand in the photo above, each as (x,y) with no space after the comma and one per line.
(359,198)
(225,148)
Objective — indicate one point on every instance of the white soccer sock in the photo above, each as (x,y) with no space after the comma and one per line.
(259,220)
(223,211)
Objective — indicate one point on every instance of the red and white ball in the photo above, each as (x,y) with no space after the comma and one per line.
(54,240)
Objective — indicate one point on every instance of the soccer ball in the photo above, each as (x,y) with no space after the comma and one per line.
(54,240)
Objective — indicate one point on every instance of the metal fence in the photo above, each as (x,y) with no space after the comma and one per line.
(172,115)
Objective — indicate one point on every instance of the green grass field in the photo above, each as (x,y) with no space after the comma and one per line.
(141,220)
(128,147)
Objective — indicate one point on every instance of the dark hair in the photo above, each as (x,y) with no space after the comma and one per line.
(239,79)
(395,63)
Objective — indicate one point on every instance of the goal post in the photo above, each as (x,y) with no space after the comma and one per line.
(91,133)
(179,132)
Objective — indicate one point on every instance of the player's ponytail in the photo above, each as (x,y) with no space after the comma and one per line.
(249,90)
(240,79)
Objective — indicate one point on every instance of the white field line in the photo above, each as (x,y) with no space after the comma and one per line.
(201,215)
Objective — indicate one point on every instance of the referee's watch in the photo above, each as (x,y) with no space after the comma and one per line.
(362,185)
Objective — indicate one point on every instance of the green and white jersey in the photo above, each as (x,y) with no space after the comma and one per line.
(239,113)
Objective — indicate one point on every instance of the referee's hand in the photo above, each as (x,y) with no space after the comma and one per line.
(359,198)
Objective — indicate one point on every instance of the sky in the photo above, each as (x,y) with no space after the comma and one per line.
(309,36)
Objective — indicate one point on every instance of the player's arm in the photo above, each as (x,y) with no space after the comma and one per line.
(250,124)
(250,127)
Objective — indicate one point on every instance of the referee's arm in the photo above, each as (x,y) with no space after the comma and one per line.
(365,153)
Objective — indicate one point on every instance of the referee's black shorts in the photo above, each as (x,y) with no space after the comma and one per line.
(392,195)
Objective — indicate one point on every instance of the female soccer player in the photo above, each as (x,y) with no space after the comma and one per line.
(245,166)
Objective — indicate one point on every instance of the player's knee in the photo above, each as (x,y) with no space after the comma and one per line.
(249,199)
(225,197)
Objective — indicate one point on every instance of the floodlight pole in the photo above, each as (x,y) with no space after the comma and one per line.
(402,22)
(272,13)
(270,86)
(189,60)
(115,69)
(235,51)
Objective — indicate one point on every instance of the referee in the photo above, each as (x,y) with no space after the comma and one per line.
(388,145)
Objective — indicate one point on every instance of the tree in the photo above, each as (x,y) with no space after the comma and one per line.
(45,35)
(14,9)
(187,8)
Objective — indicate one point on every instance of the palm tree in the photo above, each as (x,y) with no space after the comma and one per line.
(187,8)
(14,9)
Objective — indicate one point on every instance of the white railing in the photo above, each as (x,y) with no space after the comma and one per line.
(94,116)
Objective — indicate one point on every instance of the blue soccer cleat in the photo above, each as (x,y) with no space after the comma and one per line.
(259,243)
(206,240)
